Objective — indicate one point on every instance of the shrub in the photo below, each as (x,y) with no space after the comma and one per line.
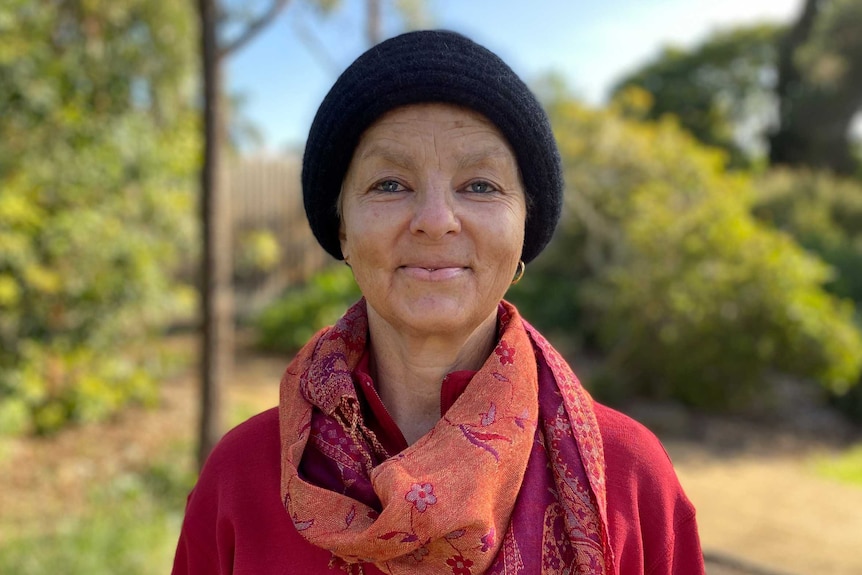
(289,323)
(824,214)
(97,151)
(705,302)
(665,270)
(257,252)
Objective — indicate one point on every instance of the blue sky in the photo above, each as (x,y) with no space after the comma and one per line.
(286,71)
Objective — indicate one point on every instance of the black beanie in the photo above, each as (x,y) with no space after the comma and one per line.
(430,66)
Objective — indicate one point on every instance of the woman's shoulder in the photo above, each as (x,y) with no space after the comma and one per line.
(630,442)
(253,442)
(638,468)
(245,461)
(652,522)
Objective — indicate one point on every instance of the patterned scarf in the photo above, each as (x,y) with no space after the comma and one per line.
(509,481)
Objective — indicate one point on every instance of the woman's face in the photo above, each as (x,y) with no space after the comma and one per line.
(432,218)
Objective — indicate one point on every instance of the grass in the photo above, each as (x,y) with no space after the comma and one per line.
(130,526)
(845,466)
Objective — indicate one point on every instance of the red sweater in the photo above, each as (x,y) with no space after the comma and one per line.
(235,521)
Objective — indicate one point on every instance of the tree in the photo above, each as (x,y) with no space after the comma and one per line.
(412,13)
(244,23)
(720,90)
(216,272)
(819,87)
(793,91)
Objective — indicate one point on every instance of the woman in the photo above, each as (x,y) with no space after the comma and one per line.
(432,430)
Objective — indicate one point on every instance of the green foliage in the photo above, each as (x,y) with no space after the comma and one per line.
(794,90)
(290,322)
(665,270)
(720,90)
(257,251)
(824,214)
(97,150)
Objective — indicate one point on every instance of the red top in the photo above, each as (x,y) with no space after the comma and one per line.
(235,521)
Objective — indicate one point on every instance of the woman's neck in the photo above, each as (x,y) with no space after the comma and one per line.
(409,371)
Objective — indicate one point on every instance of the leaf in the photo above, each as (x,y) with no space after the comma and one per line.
(475,441)
(490,436)
(491,416)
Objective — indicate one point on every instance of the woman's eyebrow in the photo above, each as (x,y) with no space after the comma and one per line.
(484,155)
(395,156)
(390,155)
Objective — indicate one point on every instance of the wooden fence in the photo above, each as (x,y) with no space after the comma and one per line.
(266,197)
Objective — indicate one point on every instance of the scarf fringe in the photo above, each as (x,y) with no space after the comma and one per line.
(349,417)
(350,568)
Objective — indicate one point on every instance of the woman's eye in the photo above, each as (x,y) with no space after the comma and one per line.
(388,186)
(480,187)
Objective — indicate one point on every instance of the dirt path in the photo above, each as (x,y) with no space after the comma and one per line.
(761,507)
(772,510)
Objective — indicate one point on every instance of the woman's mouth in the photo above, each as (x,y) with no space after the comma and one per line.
(434,273)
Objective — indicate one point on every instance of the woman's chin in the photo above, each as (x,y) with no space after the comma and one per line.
(438,314)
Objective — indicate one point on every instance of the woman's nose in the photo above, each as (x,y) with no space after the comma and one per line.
(434,214)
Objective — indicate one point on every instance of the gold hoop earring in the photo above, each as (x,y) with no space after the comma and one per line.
(519,272)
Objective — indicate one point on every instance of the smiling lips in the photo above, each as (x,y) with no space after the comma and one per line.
(433,273)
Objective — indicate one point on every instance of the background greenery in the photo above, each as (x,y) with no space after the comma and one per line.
(671,278)
(98,145)
(685,260)
(692,263)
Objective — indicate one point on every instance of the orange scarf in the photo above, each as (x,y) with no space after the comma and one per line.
(447,500)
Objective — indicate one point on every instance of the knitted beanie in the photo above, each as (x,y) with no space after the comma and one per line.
(430,66)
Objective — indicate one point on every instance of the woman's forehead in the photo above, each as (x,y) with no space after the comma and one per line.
(433,112)
(472,134)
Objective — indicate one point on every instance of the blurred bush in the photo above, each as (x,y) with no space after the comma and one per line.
(256,252)
(659,265)
(290,322)
(824,214)
(98,145)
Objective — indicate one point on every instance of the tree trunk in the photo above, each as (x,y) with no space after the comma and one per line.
(216,272)
(786,145)
(216,282)
(814,122)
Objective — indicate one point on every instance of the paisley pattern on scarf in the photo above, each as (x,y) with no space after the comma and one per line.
(529,500)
